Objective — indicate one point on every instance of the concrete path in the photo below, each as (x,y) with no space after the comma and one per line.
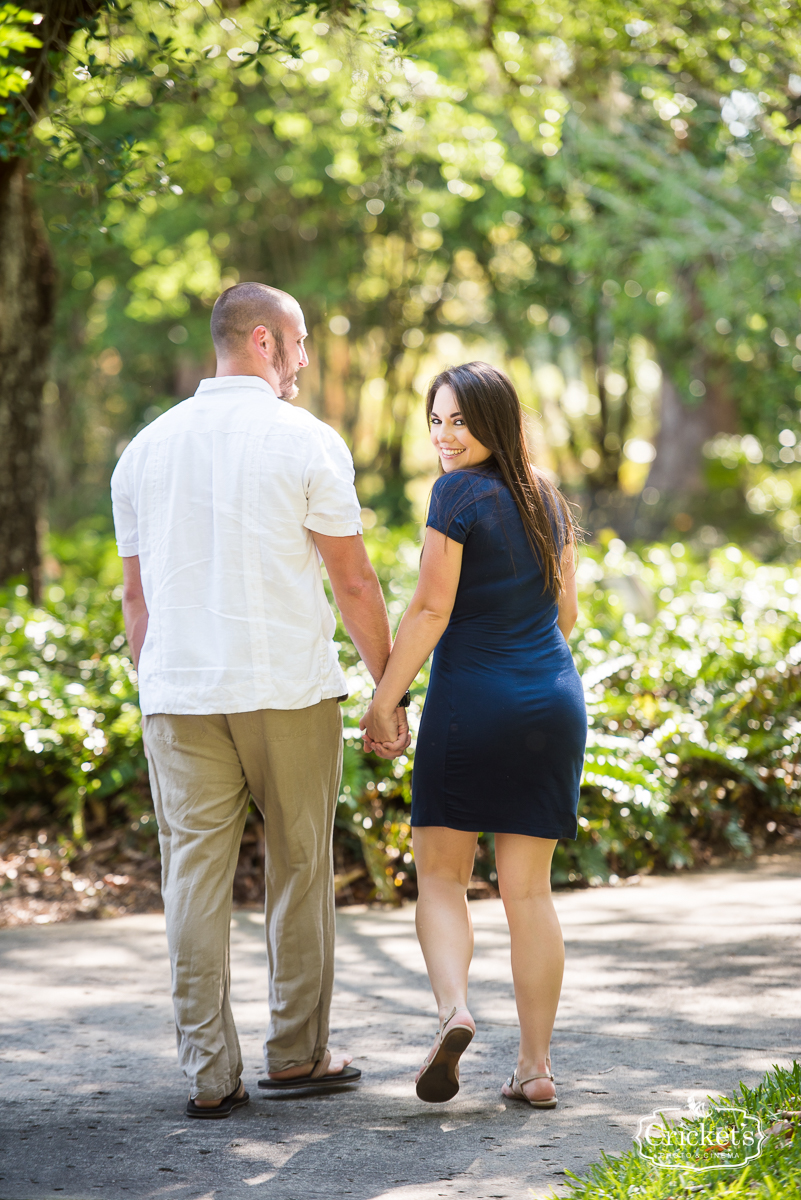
(675,986)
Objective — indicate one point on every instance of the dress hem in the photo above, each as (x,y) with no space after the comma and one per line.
(549,834)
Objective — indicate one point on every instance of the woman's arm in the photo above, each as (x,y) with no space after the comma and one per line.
(423,624)
(568,600)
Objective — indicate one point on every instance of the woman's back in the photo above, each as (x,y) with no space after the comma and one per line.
(502,736)
(502,593)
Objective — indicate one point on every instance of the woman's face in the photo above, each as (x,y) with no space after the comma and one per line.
(452,440)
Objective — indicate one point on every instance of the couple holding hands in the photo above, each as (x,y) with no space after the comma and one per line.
(223,508)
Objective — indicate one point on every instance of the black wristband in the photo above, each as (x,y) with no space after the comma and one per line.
(404,701)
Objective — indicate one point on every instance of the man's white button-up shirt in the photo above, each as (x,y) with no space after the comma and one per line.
(219,497)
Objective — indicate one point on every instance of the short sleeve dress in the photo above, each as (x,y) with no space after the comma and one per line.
(501,742)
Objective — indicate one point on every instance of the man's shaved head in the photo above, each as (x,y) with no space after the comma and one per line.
(246,307)
(241,308)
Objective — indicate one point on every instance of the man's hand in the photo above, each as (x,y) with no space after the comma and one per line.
(387,735)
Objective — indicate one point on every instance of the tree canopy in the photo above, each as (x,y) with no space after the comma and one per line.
(602,197)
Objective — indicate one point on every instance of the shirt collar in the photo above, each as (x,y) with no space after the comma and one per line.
(227,383)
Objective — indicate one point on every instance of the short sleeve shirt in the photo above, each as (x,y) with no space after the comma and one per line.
(460,498)
(219,498)
(452,509)
(501,591)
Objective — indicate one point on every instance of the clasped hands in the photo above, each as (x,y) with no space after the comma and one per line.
(385,733)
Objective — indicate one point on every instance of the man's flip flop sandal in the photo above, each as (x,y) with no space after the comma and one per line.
(438,1081)
(223,1109)
(316,1081)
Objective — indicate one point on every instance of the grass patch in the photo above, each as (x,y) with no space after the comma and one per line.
(775,1173)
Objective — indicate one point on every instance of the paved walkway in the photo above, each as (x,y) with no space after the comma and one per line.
(678,985)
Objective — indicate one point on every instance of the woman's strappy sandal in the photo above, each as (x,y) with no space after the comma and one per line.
(438,1080)
(516,1088)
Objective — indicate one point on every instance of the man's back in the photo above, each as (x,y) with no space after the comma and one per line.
(218,498)
(220,506)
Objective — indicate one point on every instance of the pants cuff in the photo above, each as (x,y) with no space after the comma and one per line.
(213,1093)
(284,1064)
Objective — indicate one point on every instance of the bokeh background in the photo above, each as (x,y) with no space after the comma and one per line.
(603,201)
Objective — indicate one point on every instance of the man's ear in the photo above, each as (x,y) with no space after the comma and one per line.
(262,342)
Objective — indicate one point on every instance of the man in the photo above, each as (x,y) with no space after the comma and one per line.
(220,507)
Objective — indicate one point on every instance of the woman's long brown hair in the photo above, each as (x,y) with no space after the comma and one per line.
(491,409)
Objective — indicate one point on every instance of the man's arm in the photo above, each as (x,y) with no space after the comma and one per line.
(360,601)
(134,609)
(359,598)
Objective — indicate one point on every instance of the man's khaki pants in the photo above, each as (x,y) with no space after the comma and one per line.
(202,770)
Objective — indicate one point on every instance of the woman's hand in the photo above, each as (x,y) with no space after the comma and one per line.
(380,726)
(385,733)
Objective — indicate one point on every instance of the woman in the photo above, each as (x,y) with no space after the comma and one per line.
(502,736)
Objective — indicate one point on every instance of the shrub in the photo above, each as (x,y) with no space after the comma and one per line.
(70,737)
(692,670)
(692,676)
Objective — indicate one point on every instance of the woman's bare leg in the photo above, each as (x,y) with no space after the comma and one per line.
(444,861)
(538,954)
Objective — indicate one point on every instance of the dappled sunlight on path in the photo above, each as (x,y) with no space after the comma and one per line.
(681,984)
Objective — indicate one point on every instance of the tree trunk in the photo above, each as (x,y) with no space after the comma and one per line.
(678,467)
(26,314)
(26,296)
(389,460)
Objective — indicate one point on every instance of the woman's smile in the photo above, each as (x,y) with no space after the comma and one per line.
(448,422)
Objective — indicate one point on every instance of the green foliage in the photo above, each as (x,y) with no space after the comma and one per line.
(692,670)
(576,193)
(775,1174)
(70,738)
(15,39)
(692,677)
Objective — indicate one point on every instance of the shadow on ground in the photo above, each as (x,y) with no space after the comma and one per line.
(680,985)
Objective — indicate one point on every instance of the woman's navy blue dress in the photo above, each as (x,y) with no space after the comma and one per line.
(501,741)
